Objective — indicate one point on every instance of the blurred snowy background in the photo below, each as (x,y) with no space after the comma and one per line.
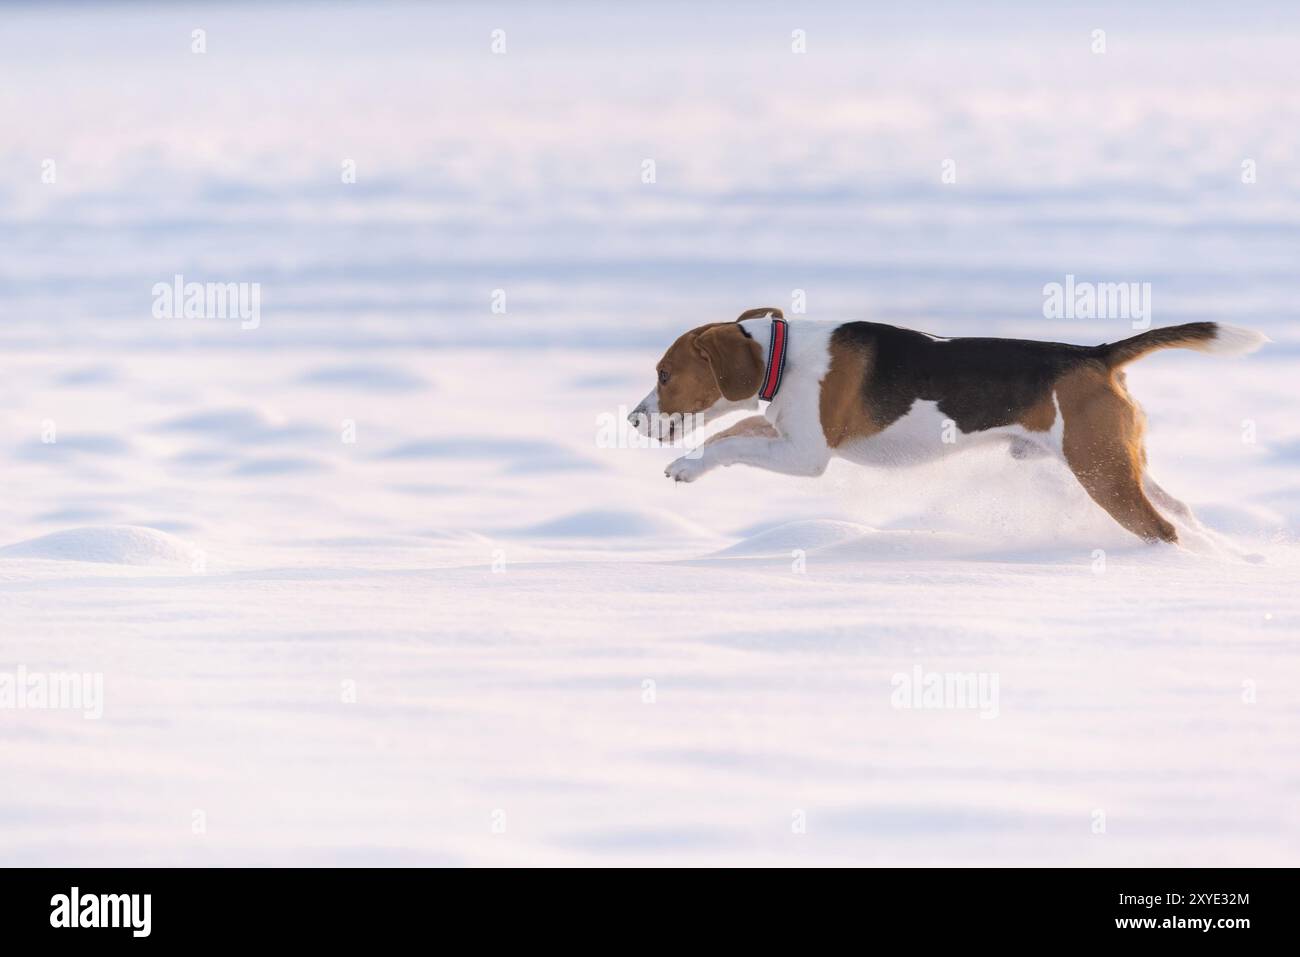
(185,513)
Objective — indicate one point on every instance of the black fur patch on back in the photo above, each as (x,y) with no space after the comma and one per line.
(978,383)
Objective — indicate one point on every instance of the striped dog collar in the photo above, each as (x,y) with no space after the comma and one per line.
(775,360)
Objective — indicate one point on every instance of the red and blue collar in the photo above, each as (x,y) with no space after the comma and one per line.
(775,360)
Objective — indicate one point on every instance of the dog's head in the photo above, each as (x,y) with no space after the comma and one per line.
(707,372)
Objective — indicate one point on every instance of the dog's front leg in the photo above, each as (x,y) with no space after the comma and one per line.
(754,425)
(776,455)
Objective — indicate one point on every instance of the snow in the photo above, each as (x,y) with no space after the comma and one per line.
(114,545)
(366,585)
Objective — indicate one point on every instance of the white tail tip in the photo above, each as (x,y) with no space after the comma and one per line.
(1234,341)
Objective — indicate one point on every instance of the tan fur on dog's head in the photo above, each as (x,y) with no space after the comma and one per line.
(709,370)
(713,362)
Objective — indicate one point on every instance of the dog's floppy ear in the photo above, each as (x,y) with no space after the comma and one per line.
(735,358)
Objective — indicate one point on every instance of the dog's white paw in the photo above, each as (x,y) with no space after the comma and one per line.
(685,469)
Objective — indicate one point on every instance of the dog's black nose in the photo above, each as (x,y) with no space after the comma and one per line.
(634,418)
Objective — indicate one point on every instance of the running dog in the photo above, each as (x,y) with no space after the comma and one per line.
(881,395)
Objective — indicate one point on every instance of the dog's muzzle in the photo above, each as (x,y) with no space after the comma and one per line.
(643,416)
(639,420)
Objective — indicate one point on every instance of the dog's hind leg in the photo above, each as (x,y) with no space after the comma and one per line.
(1102,442)
(1114,486)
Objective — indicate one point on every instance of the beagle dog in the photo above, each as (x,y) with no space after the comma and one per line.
(881,395)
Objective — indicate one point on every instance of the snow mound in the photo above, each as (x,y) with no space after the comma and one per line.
(852,542)
(807,535)
(614,523)
(109,544)
(920,544)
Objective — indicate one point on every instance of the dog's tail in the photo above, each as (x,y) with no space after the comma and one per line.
(1212,337)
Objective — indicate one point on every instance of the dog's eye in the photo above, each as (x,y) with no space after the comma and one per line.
(663,376)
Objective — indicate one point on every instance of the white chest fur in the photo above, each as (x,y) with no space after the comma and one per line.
(796,410)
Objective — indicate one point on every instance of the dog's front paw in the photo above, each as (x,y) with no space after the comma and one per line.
(686,469)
